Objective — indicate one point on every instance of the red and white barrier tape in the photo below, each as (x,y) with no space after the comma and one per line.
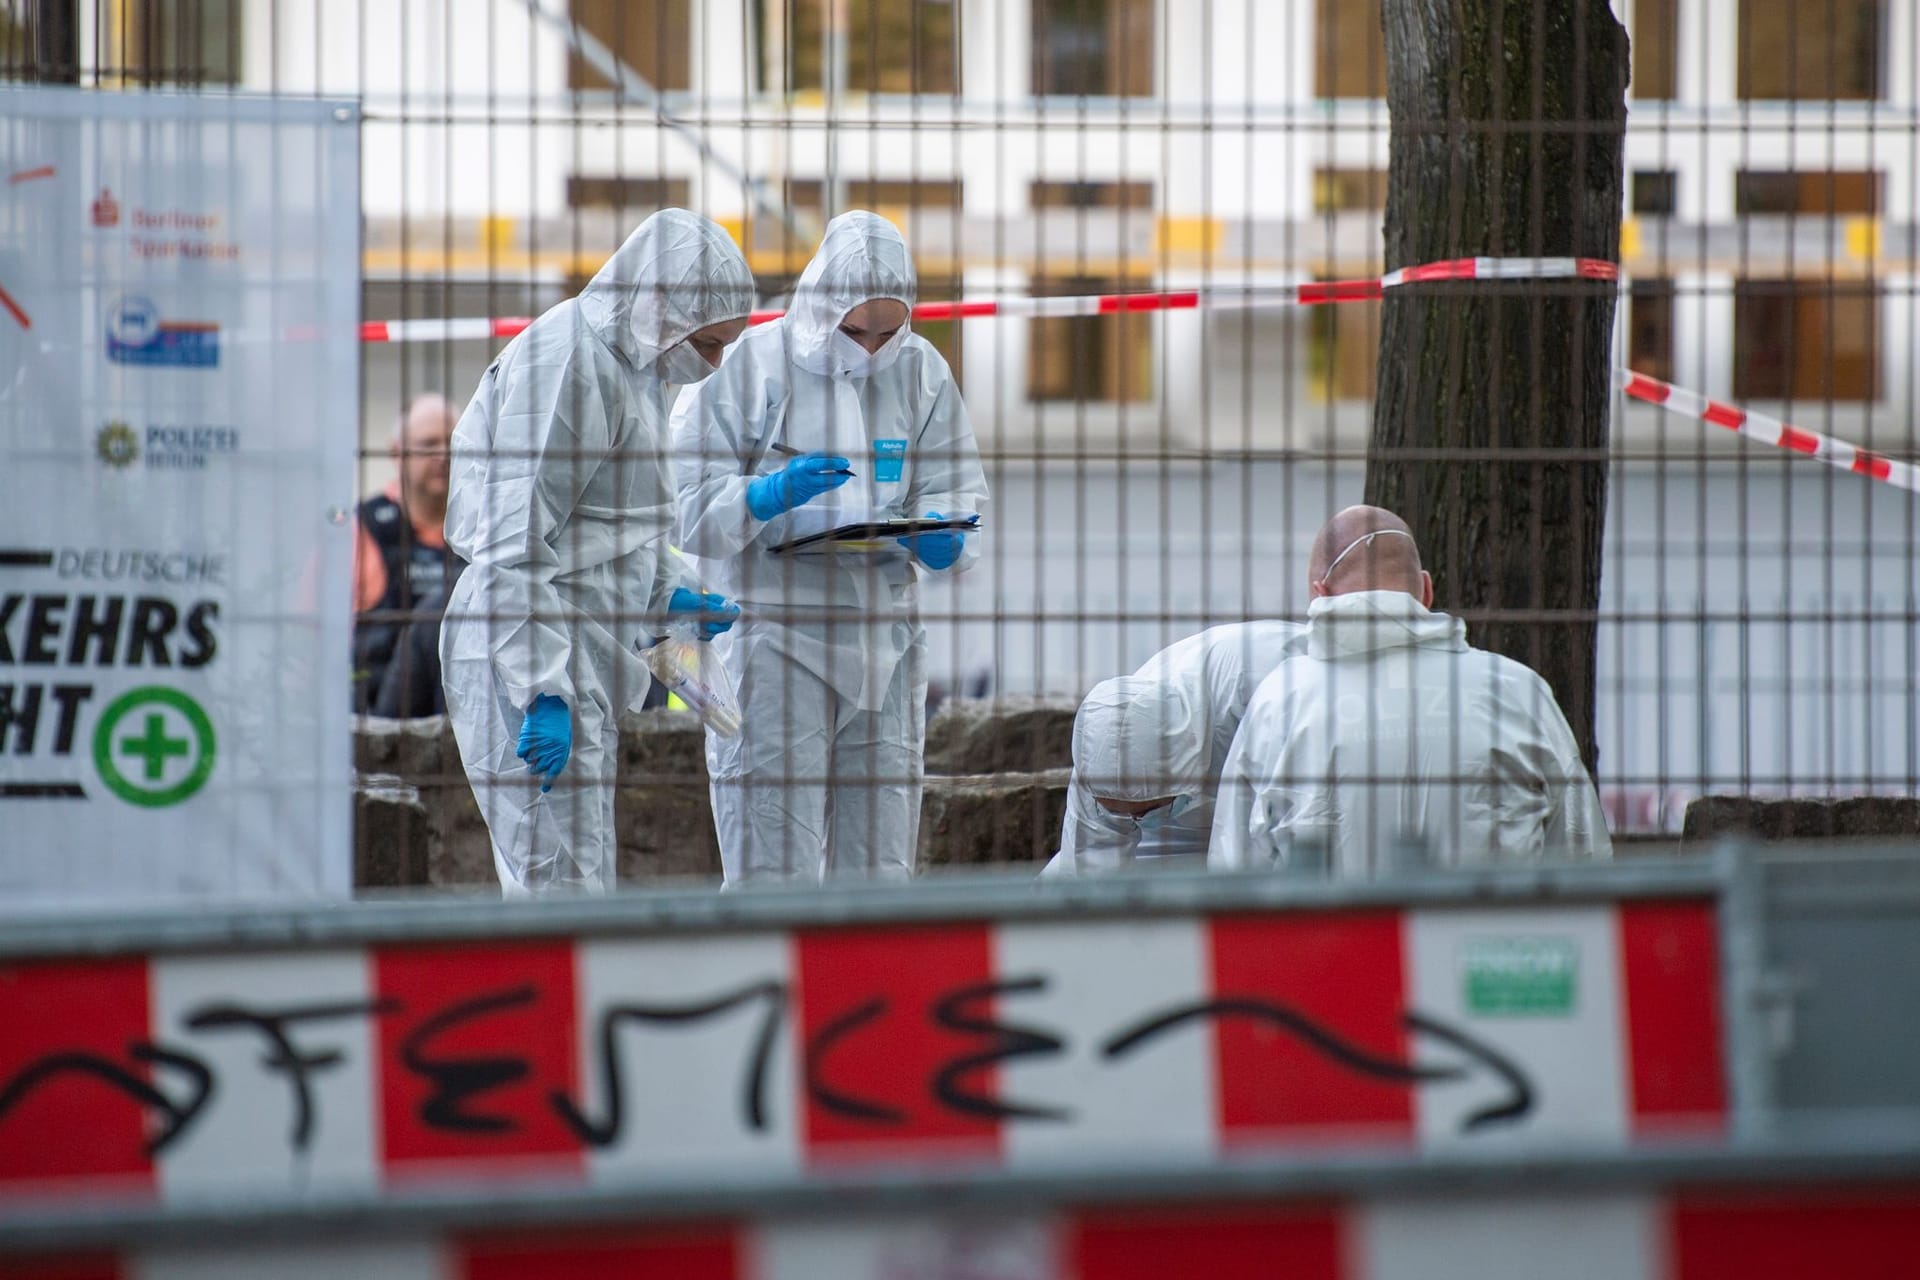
(1676,400)
(1102,304)
(1758,426)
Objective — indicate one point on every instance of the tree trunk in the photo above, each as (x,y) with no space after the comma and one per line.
(56,43)
(1490,425)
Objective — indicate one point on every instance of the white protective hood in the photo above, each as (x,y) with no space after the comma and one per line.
(1137,737)
(861,258)
(676,274)
(1362,623)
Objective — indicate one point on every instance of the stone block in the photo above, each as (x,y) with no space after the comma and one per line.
(392,836)
(992,819)
(1853,817)
(969,737)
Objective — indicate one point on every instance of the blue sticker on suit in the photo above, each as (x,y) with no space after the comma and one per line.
(889,461)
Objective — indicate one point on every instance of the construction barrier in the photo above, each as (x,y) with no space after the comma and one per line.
(1584,1071)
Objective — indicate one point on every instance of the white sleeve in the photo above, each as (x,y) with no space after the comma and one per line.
(714,426)
(1232,847)
(1576,826)
(947,475)
(551,433)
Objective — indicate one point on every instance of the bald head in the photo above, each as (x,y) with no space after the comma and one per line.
(420,447)
(1367,549)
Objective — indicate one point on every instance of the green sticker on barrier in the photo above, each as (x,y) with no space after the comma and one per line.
(1522,977)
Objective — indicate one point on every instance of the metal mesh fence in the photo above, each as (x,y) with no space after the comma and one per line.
(1155,469)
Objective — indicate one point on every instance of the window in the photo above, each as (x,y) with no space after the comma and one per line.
(1656,37)
(1810,49)
(1349,190)
(1806,340)
(1350,52)
(1650,328)
(1343,348)
(1107,358)
(1655,191)
(652,37)
(628,194)
(1091,195)
(184,42)
(1818,192)
(892,46)
(1093,48)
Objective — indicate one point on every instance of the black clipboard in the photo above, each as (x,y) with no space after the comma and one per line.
(872,535)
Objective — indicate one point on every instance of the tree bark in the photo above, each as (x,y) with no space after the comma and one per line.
(56,43)
(1490,424)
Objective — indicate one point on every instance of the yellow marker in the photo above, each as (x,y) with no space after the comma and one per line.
(496,234)
(1863,238)
(1190,235)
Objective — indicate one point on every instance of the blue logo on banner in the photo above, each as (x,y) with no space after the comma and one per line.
(137,335)
(889,457)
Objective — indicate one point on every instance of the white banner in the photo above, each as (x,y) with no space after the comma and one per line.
(179,400)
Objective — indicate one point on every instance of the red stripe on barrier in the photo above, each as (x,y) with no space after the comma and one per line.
(878,1011)
(1799,441)
(511,327)
(1652,390)
(1597,269)
(1452,269)
(954,310)
(1303,1242)
(1670,969)
(1344,973)
(1774,1235)
(1339,291)
(1128,302)
(373,331)
(667,1253)
(28,175)
(1872,464)
(1725,415)
(479,1039)
(15,310)
(763,317)
(68,1022)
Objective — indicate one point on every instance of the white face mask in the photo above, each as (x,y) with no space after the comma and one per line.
(851,360)
(682,365)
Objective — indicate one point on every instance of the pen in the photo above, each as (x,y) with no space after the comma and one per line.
(781,447)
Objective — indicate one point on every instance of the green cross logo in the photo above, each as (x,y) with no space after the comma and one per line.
(140,736)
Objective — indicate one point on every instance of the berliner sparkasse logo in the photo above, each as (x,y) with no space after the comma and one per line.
(137,335)
(117,445)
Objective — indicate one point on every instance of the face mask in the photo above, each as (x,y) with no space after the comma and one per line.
(851,360)
(682,365)
(1166,813)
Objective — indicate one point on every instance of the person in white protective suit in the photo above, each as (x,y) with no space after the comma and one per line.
(829,657)
(560,501)
(1148,747)
(1391,734)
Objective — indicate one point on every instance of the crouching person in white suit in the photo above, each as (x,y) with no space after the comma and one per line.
(1390,732)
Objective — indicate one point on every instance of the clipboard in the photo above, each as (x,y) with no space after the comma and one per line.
(873,535)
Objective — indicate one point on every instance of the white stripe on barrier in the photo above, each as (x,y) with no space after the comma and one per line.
(1768,430)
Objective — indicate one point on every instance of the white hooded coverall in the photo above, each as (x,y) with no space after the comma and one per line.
(560,503)
(1163,731)
(1391,727)
(829,653)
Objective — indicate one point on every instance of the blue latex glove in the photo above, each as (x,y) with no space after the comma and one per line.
(717,612)
(546,738)
(799,482)
(936,550)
